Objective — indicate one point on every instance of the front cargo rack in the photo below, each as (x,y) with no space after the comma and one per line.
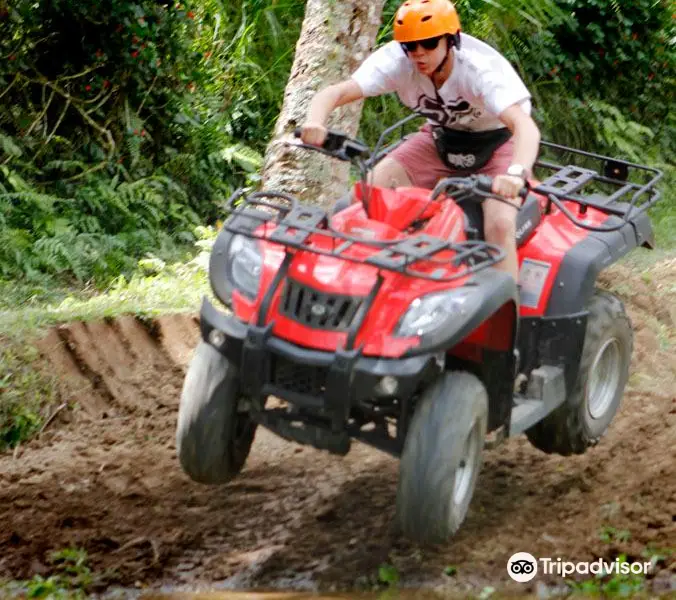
(291,224)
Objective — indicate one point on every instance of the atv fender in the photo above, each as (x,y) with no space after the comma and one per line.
(582,264)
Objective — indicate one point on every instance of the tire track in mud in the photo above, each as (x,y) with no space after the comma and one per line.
(105,477)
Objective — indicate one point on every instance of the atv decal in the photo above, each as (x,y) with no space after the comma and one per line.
(456,112)
(532,280)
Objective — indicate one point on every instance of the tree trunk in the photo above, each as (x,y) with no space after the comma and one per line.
(337,35)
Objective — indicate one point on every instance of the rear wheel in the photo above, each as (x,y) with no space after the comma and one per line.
(442,458)
(604,370)
(213,437)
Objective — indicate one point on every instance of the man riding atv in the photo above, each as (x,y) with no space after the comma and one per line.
(477,106)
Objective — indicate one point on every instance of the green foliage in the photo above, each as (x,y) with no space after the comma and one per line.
(611,586)
(619,52)
(25,393)
(610,534)
(70,581)
(388,575)
(155,287)
(115,137)
(125,123)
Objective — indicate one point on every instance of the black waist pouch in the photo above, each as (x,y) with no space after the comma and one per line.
(468,150)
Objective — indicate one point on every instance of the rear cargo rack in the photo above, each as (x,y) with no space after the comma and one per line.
(626,199)
(416,256)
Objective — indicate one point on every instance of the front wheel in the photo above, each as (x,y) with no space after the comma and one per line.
(442,458)
(213,438)
(604,370)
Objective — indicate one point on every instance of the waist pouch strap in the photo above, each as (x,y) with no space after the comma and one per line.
(468,150)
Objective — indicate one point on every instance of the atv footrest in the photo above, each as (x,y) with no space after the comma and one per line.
(290,427)
(526,414)
(546,391)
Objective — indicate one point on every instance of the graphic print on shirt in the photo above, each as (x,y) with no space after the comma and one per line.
(458,112)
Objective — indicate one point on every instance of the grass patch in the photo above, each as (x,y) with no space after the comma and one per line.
(26,393)
(663,214)
(70,579)
(155,288)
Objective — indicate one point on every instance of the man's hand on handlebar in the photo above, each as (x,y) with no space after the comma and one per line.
(509,187)
(481,187)
(313,134)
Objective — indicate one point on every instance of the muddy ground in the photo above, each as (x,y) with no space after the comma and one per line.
(104,477)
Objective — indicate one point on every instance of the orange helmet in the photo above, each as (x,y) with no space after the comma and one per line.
(421,19)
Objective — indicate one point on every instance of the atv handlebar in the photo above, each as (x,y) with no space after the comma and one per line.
(338,145)
(477,187)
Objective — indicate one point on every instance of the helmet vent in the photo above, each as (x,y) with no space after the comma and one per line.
(426,18)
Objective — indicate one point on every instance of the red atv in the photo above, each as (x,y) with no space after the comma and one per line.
(386,322)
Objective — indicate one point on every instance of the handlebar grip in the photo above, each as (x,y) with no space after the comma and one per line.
(485,184)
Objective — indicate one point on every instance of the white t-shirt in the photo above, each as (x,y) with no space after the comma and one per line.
(482,84)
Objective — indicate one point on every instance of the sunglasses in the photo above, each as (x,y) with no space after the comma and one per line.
(428,44)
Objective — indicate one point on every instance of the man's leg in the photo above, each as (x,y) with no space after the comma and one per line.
(413,163)
(389,172)
(500,229)
(500,218)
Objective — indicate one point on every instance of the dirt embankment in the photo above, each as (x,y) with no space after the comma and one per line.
(104,477)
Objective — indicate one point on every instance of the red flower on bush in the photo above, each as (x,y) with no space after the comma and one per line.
(88,88)
(134,54)
(190,14)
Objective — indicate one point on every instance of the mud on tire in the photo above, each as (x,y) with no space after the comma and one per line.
(442,458)
(213,439)
(604,370)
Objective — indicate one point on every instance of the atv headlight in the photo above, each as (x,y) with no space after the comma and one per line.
(428,312)
(245,264)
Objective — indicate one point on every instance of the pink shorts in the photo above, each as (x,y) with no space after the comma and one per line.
(419,158)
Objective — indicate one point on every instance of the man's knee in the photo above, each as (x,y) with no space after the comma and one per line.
(390,173)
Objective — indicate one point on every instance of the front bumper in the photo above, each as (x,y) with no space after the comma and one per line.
(328,384)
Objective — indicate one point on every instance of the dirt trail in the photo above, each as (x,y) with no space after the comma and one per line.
(105,477)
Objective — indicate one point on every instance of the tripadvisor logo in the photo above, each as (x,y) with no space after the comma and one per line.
(523,567)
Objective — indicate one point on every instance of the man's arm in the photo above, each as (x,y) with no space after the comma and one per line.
(526,136)
(526,147)
(323,104)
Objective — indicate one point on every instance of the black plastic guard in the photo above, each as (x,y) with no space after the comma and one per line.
(556,341)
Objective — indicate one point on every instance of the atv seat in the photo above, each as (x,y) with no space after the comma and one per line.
(527,220)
